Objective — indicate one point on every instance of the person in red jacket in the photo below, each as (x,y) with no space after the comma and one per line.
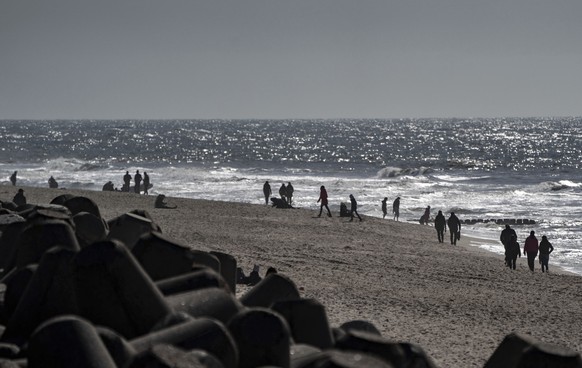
(323,200)
(530,249)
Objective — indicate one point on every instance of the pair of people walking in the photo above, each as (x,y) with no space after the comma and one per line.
(324,203)
(395,208)
(454,224)
(531,249)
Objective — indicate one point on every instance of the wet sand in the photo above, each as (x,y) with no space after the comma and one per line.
(457,302)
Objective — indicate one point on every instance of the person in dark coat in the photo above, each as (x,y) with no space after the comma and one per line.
(396,208)
(545,249)
(267,192)
(505,238)
(384,207)
(137,179)
(13,178)
(513,251)
(425,217)
(19,199)
(283,192)
(53,183)
(354,208)
(126,182)
(146,183)
(323,200)
(530,249)
(289,190)
(454,228)
(440,224)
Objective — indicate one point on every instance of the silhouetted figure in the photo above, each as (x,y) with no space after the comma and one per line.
(289,192)
(454,228)
(146,183)
(512,252)
(161,203)
(530,249)
(545,249)
(323,200)
(126,182)
(283,192)
(384,207)
(396,208)
(505,238)
(254,276)
(19,199)
(270,270)
(440,224)
(137,180)
(108,187)
(53,183)
(425,217)
(13,178)
(354,208)
(267,191)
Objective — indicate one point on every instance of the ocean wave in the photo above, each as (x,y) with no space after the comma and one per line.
(561,185)
(394,172)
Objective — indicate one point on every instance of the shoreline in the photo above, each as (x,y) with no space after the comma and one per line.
(457,303)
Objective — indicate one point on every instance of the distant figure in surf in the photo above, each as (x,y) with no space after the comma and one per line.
(13,178)
(146,183)
(53,183)
(440,224)
(384,207)
(530,249)
(512,252)
(160,202)
(545,249)
(289,192)
(137,180)
(425,217)
(323,200)
(283,192)
(354,208)
(267,191)
(126,182)
(454,228)
(396,208)
(19,199)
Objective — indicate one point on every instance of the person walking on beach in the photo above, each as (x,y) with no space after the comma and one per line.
(283,192)
(19,199)
(513,251)
(454,228)
(505,239)
(13,178)
(267,191)
(530,249)
(323,200)
(126,182)
(146,183)
(424,218)
(396,208)
(384,207)
(545,249)
(354,208)
(440,224)
(137,180)
(289,192)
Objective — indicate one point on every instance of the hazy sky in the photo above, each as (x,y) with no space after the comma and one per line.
(167,59)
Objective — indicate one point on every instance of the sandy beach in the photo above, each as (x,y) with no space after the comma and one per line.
(456,302)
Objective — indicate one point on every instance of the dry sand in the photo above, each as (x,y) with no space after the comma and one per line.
(456,302)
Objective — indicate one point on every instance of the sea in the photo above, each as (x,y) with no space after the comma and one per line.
(481,169)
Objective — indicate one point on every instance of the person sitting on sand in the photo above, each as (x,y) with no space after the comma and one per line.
(160,203)
(440,224)
(108,187)
(545,249)
(53,183)
(513,251)
(19,199)
(323,200)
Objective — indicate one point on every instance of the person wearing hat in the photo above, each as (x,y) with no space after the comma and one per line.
(530,248)
(19,199)
(545,249)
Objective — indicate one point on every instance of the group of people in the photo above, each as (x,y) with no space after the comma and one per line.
(531,249)
(139,181)
(285,192)
(395,208)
